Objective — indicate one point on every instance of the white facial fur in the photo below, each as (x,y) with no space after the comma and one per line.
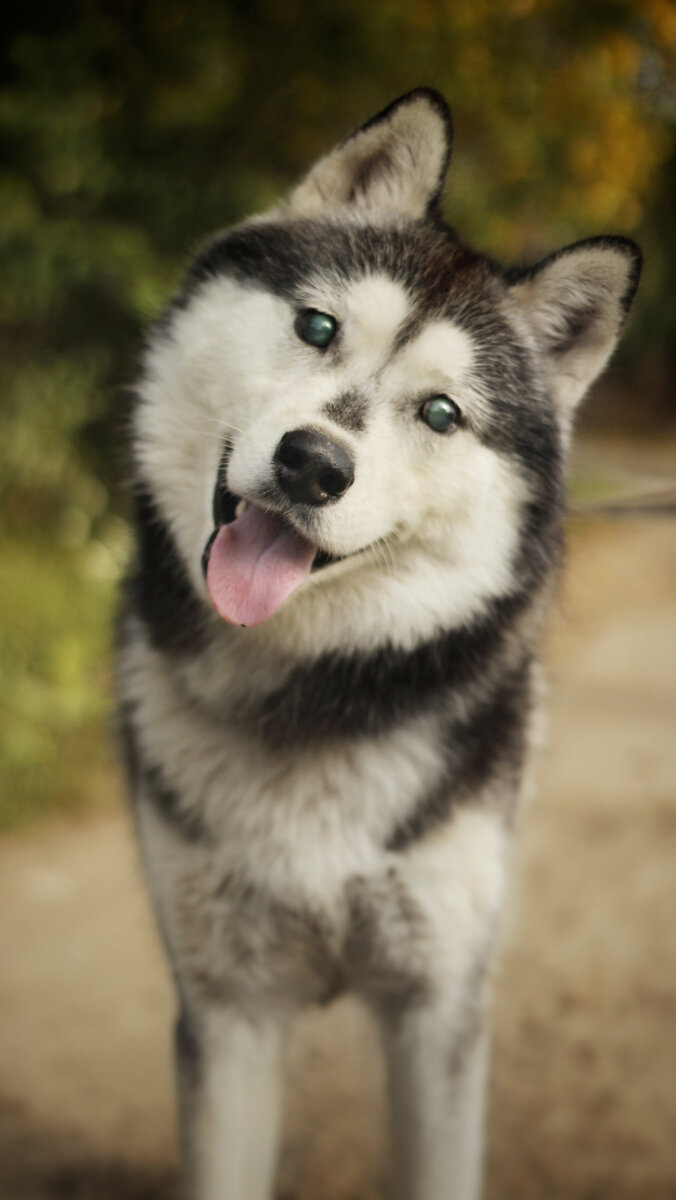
(437,514)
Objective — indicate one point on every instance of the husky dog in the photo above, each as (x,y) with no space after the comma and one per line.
(348,454)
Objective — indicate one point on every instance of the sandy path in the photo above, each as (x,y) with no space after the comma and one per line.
(583,1101)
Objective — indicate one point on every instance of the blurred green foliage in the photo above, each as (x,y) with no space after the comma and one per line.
(131,130)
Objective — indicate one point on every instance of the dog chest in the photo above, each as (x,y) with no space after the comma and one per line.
(280,942)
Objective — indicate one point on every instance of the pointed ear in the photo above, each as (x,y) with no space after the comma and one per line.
(396,162)
(576,302)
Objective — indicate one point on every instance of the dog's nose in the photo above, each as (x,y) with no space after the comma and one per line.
(312,469)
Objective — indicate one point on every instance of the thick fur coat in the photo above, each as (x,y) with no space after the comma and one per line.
(348,459)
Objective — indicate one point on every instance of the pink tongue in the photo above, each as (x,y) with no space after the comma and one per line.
(255,563)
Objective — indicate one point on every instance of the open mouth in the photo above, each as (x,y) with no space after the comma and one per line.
(227,507)
(254,559)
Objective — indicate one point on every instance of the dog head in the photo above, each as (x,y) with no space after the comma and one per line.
(345,394)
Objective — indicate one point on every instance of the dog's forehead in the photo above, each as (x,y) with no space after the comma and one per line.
(379,304)
(388,318)
(376,308)
(440,344)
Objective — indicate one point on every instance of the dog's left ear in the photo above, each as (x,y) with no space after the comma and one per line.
(395,163)
(576,302)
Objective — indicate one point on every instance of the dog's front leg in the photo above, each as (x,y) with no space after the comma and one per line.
(437,1087)
(229,1075)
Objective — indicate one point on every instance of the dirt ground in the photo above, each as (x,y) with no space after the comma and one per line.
(583,1089)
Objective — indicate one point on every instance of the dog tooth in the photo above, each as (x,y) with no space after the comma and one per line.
(241,507)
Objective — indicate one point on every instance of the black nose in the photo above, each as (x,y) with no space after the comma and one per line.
(312,469)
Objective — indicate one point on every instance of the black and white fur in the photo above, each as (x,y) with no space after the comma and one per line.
(324,801)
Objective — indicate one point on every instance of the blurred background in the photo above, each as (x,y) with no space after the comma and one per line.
(130,131)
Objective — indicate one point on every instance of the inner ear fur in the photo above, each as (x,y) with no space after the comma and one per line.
(396,163)
(576,302)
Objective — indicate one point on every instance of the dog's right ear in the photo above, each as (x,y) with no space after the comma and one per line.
(395,164)
(576,302)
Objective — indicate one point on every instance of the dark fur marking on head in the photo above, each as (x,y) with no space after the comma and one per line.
(340,696)
(491,743)
(164,597)
(248,253)
(521,425)
(348,411)
(281,258)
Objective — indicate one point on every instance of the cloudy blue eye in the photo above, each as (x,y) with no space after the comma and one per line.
(440,413)
(316,328)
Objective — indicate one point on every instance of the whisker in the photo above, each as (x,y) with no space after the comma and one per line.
(206,427)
